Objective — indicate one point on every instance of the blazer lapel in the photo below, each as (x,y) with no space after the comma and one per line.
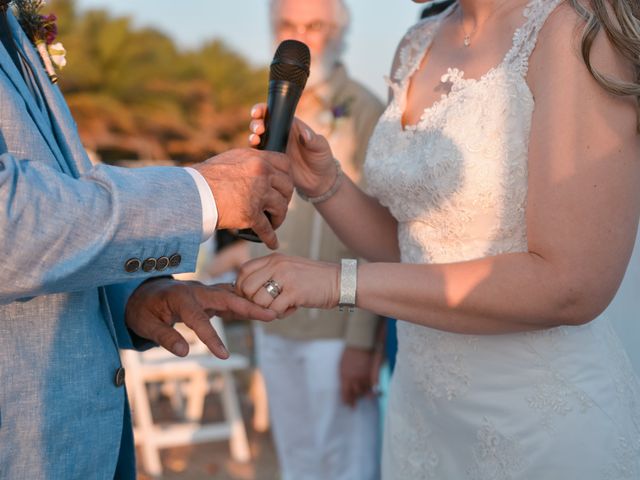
(12,73)
(62,126)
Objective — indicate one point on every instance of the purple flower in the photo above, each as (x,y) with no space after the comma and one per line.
(339,111)
(49,28)
(342,110)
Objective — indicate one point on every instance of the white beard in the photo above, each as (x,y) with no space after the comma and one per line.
(322,68)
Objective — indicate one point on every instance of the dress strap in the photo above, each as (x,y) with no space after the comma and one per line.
(524,40)
(414,44)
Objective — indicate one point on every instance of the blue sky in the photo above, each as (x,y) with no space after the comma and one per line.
(376,29)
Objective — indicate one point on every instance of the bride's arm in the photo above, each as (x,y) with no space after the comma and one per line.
(358,219)
(362,224)
(582,217)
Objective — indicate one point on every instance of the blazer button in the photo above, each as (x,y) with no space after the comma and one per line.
(132,265)
(119,378)
(162,264)
(149,265)
(175,260)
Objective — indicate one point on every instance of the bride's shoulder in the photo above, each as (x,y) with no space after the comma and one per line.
(414,42)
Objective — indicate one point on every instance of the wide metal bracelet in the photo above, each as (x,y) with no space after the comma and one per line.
(348,284)
(329,193)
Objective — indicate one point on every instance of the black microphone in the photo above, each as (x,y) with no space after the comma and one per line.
(287,79)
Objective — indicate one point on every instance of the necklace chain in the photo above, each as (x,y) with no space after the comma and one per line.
(467,36)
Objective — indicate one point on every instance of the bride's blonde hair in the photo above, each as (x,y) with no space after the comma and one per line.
(623,32)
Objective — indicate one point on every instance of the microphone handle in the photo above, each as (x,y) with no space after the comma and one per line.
(281,108)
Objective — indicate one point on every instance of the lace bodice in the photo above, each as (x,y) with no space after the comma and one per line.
(456,181)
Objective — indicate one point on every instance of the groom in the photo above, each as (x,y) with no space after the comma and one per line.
(79,246)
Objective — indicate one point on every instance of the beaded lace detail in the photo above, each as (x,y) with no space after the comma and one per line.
(497,457)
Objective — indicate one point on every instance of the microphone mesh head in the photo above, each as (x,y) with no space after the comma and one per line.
(291,63)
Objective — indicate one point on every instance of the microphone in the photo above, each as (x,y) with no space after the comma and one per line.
(287,78)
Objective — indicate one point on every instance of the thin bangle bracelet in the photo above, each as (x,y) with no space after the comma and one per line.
(329,193)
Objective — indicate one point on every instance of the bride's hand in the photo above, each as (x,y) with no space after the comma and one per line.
(312,163)
(301,282)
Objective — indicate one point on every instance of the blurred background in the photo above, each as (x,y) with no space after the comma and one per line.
(158,79)
(171,83)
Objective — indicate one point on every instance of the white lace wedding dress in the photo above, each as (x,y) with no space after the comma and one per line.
(557,404)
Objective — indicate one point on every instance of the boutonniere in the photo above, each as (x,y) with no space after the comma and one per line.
(335,113)
(42,31)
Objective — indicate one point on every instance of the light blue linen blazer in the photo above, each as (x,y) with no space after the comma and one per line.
(66,231)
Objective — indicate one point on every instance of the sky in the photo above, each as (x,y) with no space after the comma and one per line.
(376,29)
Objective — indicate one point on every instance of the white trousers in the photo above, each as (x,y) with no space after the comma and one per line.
(317,436)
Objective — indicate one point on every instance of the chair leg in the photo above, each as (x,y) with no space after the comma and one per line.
(238,442)
(196,393)
(173,389)
(259,398)
(143,422)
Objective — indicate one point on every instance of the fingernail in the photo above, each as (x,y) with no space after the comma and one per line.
(225,352)
(308,134)
(254,111)
(180,348)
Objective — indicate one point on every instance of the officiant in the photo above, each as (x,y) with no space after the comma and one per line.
(317,365)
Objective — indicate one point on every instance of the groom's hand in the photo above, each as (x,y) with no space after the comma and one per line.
(158,304)
(247,183)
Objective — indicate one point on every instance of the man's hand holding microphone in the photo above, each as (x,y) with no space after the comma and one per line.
(252,189)
(247,185)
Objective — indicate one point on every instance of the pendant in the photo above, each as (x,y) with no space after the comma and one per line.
(467,40)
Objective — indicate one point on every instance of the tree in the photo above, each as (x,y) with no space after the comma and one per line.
(134,94)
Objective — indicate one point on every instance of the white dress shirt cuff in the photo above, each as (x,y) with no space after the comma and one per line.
(209,208)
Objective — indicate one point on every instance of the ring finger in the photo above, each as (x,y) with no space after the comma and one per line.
(255,281)
(263,298)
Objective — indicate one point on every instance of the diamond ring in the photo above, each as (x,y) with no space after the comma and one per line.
(273,288)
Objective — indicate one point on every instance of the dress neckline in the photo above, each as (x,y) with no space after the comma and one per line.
(454,75)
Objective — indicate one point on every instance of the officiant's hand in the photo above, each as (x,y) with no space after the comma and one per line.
(312,162)
(301,283)
(158,304)
(356,366)
(246,183)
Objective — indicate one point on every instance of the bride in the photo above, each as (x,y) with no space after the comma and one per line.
(501,212)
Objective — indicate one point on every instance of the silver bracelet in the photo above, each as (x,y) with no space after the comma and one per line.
(329,193)
(348,284)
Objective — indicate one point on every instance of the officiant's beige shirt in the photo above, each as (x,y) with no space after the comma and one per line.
(346,114)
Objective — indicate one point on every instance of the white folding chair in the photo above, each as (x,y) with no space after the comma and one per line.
(192,376)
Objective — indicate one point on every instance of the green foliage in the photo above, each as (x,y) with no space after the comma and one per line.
(133,88)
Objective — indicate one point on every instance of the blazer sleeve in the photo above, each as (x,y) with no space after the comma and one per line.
(63,234)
